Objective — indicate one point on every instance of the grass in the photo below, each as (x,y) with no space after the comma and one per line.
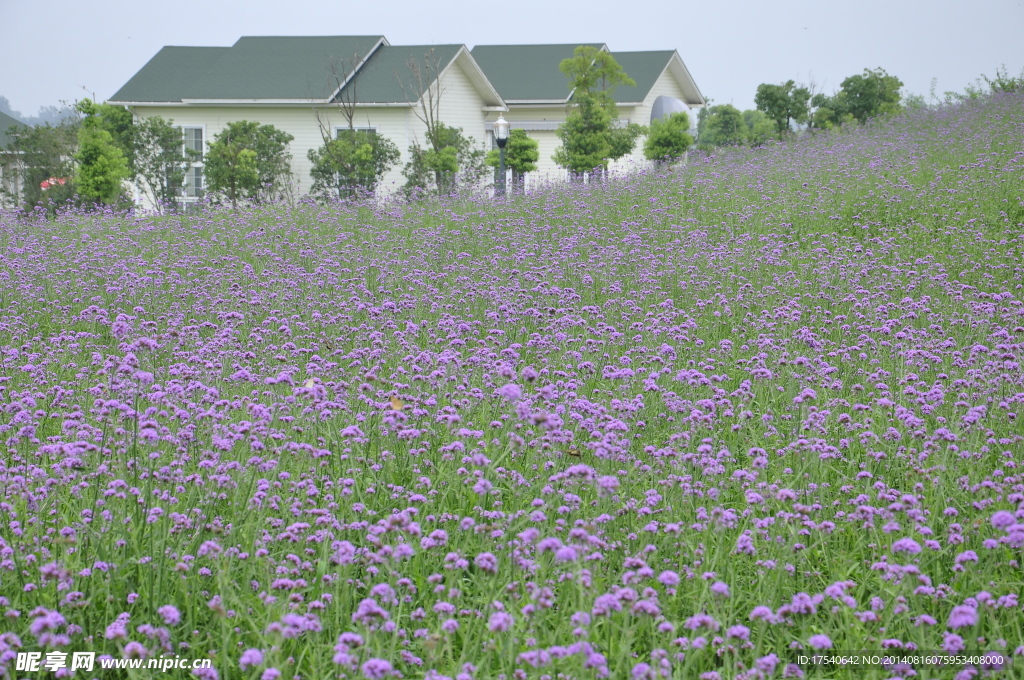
(766,369)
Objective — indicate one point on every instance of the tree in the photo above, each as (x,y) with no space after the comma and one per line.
(356,159)
(783,104)
(352,159)
(590,134)
(584,135)
(249,160)
(828,112)
(38,154)
(450,159)
(594,72)
(723,126)
(759,127)
(521,155)
(159,159)
(869,94)
(669,138)
(101,164)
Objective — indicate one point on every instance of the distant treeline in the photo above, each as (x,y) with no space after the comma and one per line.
(791,107)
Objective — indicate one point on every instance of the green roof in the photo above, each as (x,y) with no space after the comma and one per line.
(282,67)
(5,123)
(644,68)
(274,67)
(170,75)
(527,72)
(382,78)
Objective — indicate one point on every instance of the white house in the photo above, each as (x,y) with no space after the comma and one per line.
(537,93)
(297,83)
(10,179)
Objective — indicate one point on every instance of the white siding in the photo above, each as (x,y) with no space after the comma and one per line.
(665,85)
(461,106)
(547,140)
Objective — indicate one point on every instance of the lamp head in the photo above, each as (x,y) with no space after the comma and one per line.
(501,128)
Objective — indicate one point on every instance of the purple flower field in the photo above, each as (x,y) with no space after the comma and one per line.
(694,425)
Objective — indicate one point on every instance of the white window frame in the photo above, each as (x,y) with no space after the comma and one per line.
(186,198)
(358,128)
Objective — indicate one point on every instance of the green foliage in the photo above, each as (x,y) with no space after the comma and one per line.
(34,156)
(521,154)
(860,97)
(586,144)
(669,138)
(870,94)
(596,73)
(783,104)
(101,164)
(159,159)
(983,86)
(451,160)
(723,126)
(249,160)
(590,136)
(118,121)
(357,159)
(622,139)
(760,128)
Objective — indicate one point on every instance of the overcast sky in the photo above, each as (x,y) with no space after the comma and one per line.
(63,49)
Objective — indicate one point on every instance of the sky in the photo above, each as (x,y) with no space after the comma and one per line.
(63,50)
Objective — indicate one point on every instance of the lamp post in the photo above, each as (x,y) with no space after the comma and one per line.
(501,136)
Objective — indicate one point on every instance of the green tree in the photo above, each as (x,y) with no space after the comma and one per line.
(38,154)
(521,155)
(594,72)
(760,128)
(448,161)
(783,104)
(356,159)
(590,135)
(723,126)
(586,142)
(622,139)
(828,112)
(869,94)
(101,164)
(158,159)
(119,122)
(249,160)
(669,138)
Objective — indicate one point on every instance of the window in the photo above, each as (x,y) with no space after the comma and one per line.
(193,139)
(338,130)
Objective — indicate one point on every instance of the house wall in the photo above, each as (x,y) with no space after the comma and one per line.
(547,140)
(665,85)
(461,106)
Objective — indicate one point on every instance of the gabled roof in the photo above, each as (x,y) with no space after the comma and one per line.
(527,73)
(646,67)
(169,75)
(530,74)
(5,123)
(298,70)
(262,68)
(384,74)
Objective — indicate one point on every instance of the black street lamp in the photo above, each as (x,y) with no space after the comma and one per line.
(501,136)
